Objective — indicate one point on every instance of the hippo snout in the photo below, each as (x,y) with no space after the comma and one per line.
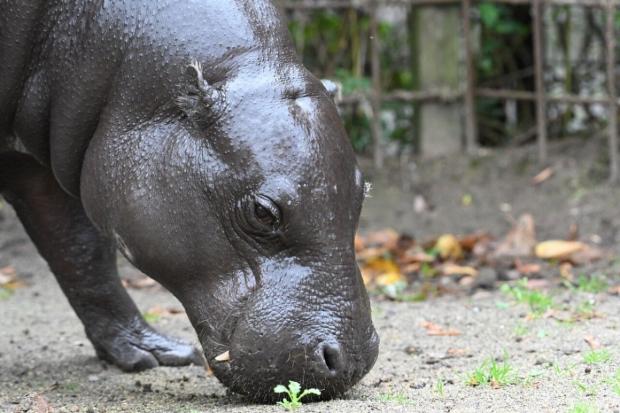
(322,341)
(257,363)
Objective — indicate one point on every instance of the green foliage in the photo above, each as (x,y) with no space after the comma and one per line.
(492,373)
(596,357)
(583,407)
(594,284)
(294,393)
(400,398)
(538,302)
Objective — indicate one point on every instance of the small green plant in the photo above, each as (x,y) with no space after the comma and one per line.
(151,317)
(594,284)
(5,293)
(538,302)
(440,387)
(614,383)
(400,398)
(294,393)
(583,407)
(493,373)
(596,357)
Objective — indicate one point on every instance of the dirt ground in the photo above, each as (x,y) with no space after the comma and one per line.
(43,349)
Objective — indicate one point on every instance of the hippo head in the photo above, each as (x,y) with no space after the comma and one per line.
(243,200)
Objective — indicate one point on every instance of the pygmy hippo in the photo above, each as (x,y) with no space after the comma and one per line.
(188,135)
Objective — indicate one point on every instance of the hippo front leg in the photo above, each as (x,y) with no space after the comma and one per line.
(84,264)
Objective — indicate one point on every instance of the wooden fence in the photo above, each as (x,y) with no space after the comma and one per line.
(470,91)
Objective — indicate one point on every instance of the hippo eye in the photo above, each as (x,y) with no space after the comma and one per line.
(266,212)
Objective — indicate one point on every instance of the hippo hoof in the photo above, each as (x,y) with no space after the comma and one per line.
(141,349)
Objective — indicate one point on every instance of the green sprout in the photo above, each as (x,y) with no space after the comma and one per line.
(493,373)
(596,357)
(294,394)
(538,302)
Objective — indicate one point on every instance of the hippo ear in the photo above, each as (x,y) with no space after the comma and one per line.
(333,89)
(202,102)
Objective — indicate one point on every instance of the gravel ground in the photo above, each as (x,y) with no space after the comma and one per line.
(43,349)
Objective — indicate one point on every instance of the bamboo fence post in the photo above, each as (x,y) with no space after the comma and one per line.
(611,91)
(541,107)
(471,133)
(376,87)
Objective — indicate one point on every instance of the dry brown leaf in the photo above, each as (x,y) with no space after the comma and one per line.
(453,269)
(557,249)
(449,247)
(615,290)
(7,275)
(528,268)
(139,283)
(164,311)
(457,352)
(592,342)
(387,238)
(381,271)
(586,255)
(469,242)
(521,239)
(371,253)
(359,243)
(416,255)
(566,271)
(34,403)
(542,176)
(433,329)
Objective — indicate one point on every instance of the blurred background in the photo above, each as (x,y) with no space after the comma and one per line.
(436,77)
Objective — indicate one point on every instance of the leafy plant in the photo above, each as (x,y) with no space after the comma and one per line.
(583,407)
(294,393)
(594,284)
(614,383)
(596,357)
(400,398)
(538,302)
(493,373)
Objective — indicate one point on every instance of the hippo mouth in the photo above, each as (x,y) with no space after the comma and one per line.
(253,370)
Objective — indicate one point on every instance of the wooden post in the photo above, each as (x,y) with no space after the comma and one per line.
(614,166)
(471,132)
(375,57)
(437,66)
(541,107)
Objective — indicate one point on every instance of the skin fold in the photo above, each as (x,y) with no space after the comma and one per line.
(188,135)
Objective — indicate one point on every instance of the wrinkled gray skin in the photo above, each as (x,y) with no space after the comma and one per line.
(231,182)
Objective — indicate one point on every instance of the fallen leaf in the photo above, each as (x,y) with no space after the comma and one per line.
(453,269)
(457,352)
(614,290)
(7,275)
(542,176)
(592,342)
(139,283)
(34,403)
(566,271)
(469,242)
(557,249)
(359,243)
(527,269)
(387,238)
(586,255)
(160,311)
(449,247)
(521,239)
(433,329)
(382,272)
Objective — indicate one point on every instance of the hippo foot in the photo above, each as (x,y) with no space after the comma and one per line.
(142,348)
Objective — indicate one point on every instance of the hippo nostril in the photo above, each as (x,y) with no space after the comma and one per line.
(332,357)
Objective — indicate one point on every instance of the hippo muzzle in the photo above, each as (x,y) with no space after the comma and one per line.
(279,333)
